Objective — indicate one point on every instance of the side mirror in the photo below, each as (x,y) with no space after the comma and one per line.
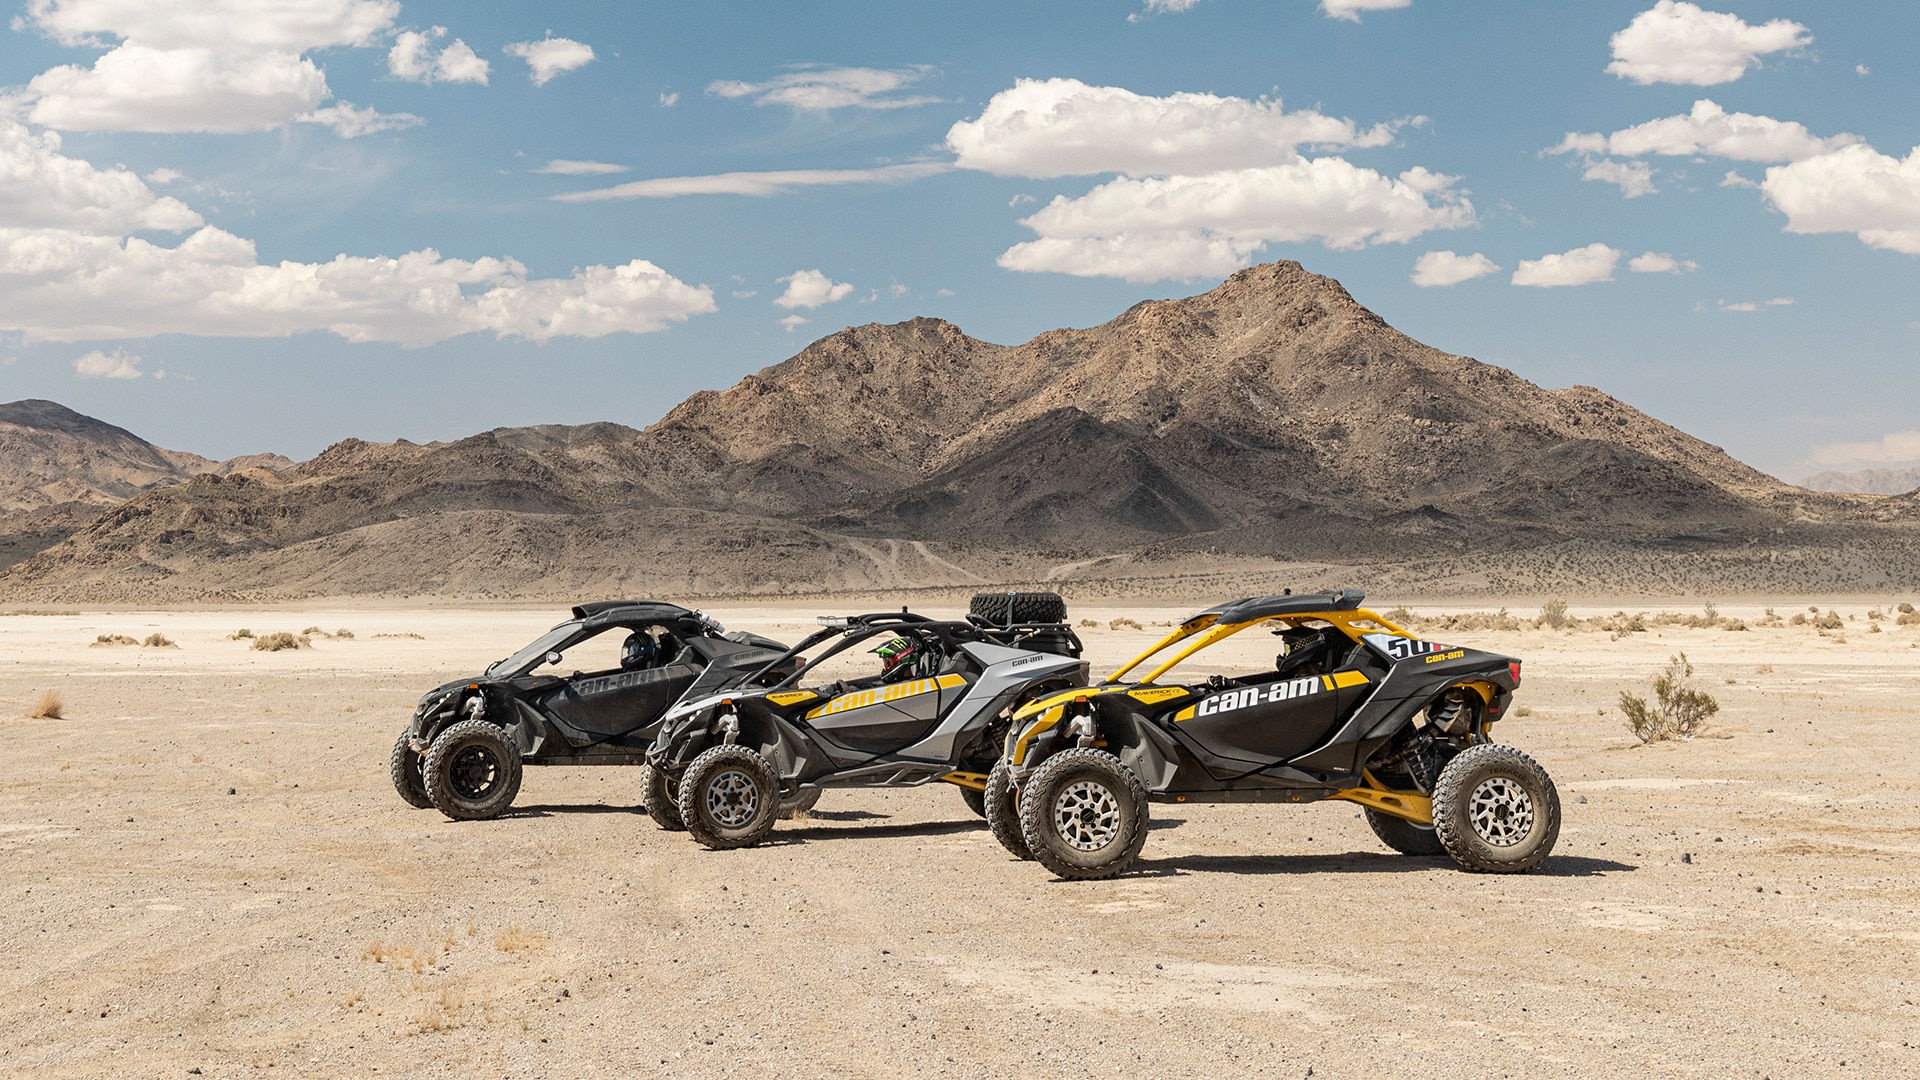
(553,658)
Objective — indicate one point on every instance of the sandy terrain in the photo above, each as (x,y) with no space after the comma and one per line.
(204,872)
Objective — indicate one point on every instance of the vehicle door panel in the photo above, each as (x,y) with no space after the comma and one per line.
(1266,723)
(605,705)
(883,719)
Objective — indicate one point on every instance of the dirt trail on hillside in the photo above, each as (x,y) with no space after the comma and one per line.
(203,868)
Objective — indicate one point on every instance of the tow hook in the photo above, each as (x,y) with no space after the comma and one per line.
(729,727)
(1082,730)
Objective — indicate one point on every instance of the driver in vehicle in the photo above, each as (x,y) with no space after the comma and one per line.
(639,652)
(1304,650)
(897,659)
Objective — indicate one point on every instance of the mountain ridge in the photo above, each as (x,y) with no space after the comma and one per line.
(1272,420)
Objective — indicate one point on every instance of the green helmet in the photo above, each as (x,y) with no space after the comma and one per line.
(896,653)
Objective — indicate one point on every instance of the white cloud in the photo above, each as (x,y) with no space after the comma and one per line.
(1742,306)
(1633,178)
(1678,42)
(60,285)
(1710,130)
(70,272)
(165,176)
(810,289)
(350,121)
(109,365)
(1438,269)
(1734,179)
(1861,69)
(1209,225)
(43,188)
(815,89)
(412,58)
(1780,301)
(551,56)
(211,66)
(563,167)
(794,322)
(1581,266)
(1855,189)
(1350,9)
(896,290)
(668,101)
(1659,262)
(753,183)
(1897,446)
(1063,127)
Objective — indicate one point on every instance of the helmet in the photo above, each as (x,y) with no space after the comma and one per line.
(1303,650)
(640,651)
(897,656)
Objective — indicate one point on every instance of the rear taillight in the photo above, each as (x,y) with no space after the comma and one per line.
(1514,666)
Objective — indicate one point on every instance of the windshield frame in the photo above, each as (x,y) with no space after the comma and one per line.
(534,653)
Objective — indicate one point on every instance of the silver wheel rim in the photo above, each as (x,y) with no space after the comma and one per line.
(1087,816)
(1501,811)
(732,798)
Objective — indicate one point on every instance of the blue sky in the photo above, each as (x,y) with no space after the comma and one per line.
(233,231)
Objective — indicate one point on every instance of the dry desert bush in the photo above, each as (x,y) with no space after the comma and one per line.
(404,634)
(1123,623)
(105,641)
(281,640)
(158,641)
(242,634)
(51,706)
(1678,710)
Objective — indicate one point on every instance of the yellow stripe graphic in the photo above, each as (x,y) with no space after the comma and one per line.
(860,699)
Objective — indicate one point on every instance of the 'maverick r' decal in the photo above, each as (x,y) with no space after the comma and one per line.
(1284,690)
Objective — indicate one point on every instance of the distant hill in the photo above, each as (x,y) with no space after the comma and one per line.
(59,469)
(1272,431)
(1866,481)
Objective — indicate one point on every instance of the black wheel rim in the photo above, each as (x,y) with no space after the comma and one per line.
(473,772)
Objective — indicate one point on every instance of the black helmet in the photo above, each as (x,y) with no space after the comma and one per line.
(640,651)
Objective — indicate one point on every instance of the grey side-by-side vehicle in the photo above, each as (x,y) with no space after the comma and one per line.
(463,750)
(937,710)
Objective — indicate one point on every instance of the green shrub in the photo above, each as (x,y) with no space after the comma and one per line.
(1679,710)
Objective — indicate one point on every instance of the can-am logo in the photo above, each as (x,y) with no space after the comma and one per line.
(1400,648)
(1256,695)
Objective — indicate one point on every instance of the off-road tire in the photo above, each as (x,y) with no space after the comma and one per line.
(1110,822)
(1495,810)
(403,768)
(792,806)
(472,771)
(729,797)
(1003,811)
(1019,608)
(662,797)
(1403,836)
(975,799)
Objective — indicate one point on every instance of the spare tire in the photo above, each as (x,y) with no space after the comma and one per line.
(1019,608)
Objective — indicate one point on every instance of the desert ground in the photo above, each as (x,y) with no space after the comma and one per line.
(205,872)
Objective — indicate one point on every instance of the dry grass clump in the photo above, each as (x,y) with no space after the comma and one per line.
(1908,617)
(1123,623)
(242,634)
(1553,615)
(416,637)
(107,641)
(275,642)
(158,641)
(51,706)
(1679,710)
(515,940)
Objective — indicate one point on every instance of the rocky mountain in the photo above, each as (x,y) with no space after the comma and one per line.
(1866,481)
(59,469)
(1271,426)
